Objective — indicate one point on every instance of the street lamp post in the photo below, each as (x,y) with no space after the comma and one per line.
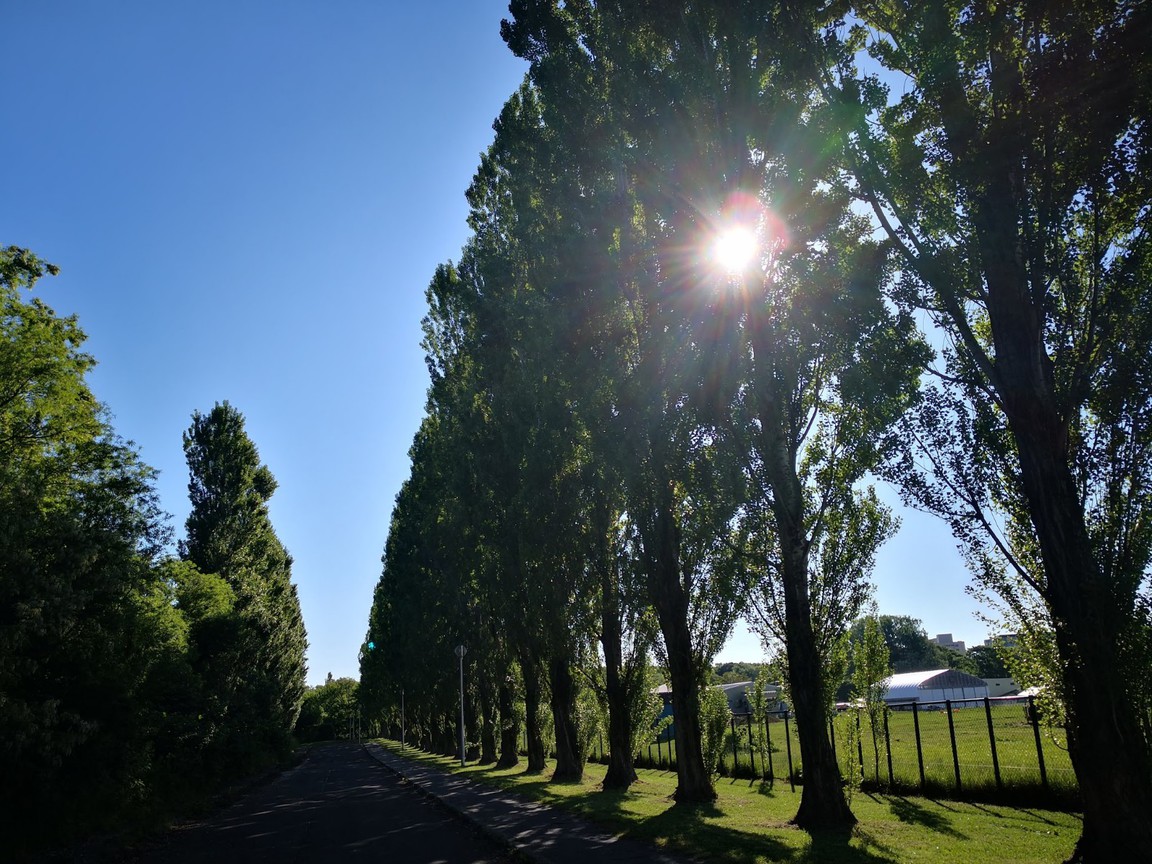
(460,652)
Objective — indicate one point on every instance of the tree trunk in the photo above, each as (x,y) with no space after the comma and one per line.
(693,780)
(1108,752)
(532,718)
(822,802)
(621,771)
(621,768)
(569,758)
(1106,744)
(487,725)
(1091,614)
(448,736)
(509,728)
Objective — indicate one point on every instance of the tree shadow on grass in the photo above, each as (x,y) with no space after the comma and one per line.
(1038,817)
(917,814)
(835,847)
(691,827)
(767,788)
(687,827)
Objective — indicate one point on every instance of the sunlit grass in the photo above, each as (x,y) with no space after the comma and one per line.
(750,821)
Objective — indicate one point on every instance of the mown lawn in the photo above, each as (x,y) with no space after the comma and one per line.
(749,821)
(1020,776)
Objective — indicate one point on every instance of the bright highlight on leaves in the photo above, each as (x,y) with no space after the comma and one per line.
(735,249)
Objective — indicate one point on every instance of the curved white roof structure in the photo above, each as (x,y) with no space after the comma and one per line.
(935,685)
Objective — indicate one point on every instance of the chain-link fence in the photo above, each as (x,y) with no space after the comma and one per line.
(975,748)
(985,749)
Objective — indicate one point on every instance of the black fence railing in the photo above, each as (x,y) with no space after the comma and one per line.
(969,748)
(978,749)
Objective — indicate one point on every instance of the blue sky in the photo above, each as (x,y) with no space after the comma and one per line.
(247,200)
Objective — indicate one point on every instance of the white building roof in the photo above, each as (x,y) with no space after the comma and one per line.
(909,686)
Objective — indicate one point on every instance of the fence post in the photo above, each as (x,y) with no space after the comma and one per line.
(919,746)
(952,738)
(832,735)
(768,745)
(860,747)
(888,748)
(1034,716)
(992,742)
(752,749)
(735,746)
(788,741)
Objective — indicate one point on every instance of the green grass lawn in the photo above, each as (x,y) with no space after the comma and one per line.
(1015,749)
(749,821)
(1019,764)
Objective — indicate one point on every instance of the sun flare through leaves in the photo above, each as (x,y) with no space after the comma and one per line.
(735,249)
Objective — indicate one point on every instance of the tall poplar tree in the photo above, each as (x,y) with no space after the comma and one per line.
(765,396)
(1012,177)
(640,333)
(229,533)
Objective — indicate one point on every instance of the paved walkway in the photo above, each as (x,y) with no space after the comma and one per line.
(536,831)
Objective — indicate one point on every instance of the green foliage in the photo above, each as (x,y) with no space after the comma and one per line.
(758,702)
(834,669)
(1034,663)
(987,662)
(1011,177)
(589,720)
(909,648)
(591,368)
(646,707)
(871,662)
(199,596)
(327,709)
(715,716)
(101,705)
(872,667)
(848,730)
(256,658)
(732,673)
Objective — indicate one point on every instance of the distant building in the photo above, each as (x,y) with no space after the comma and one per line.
(1002,640)
(1001,687)
(936,685)
(945,640)
(740,692)
(737,693)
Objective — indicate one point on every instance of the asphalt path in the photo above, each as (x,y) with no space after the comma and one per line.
(338,805)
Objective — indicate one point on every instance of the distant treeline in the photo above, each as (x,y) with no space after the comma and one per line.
(133,682)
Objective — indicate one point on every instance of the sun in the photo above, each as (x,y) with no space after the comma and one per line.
(735,248)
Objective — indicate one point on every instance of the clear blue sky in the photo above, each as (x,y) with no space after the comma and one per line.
(247,200)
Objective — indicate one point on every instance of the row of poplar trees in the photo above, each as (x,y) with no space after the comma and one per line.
(133,682)
(625,445)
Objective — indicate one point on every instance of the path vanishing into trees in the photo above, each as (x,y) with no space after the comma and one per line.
(339,805)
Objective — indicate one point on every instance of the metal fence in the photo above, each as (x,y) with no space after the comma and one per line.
(980,749)
(966,748)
